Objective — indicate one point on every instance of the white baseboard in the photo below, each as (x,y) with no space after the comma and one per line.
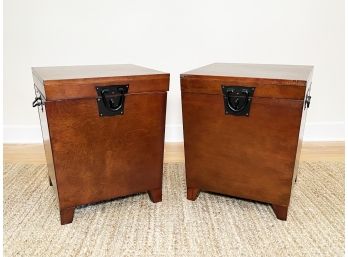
(17,134)
(324,131)
(174,133)
(315,131)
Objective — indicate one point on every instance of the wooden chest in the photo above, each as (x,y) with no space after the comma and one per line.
(103,131)
(243,127)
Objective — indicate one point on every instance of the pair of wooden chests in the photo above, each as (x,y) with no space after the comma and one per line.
(103,130)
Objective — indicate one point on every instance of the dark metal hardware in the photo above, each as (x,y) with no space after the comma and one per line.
(308,97)
(111,100)
(237,99)
(38,102)
(308,101)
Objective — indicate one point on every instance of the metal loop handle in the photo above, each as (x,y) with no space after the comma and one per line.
(37,101)
(113,103)
(111,99)
(308,97)
(236,101)
(308,101)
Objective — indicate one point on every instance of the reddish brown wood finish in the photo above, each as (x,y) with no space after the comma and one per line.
(92,158)
(71,82)
(67,215)
(281,212)
(250,157)
(155,195)
(192,193)
(47,143)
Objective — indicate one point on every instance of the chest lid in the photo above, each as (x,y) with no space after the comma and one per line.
(73,82)
(275,81)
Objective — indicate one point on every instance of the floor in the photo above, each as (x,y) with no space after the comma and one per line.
(174,152)
(315,225)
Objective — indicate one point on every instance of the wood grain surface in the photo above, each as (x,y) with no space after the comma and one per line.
(254,157)
(92,158)
(76,82)
(295,73)
(92,71)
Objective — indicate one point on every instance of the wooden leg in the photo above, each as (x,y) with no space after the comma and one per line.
(281,212)
(50,181)
(192,193)
(155,195)
(67,215)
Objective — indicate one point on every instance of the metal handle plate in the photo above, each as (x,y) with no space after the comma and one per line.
(237,99)
(111,100)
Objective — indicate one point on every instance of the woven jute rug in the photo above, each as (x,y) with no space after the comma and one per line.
(213,225)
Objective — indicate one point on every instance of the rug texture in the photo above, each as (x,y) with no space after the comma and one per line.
(213,225)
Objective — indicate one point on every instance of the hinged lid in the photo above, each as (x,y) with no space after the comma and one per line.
(277,81)
(73,82)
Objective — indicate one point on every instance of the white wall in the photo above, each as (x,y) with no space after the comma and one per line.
(174,36)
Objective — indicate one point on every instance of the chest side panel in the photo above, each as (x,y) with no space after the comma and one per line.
(47,145)
(300,137)
(46,136)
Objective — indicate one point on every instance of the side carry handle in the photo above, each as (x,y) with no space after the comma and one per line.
(37,101)
(308,97)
